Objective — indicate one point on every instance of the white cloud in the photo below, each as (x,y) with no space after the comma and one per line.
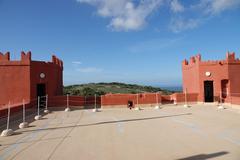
(201,12)
(130,15)
(214,7)
(90,70)
(180,24)
(76,62)
(176,6)
(125,14)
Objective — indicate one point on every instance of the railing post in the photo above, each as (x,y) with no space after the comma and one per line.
(137,108)
(157,105)
(46,105)
(8,118)
(23,110)
(95,100)
(67,109)
(186,100)
(24,124)
(38,116)
(221,102)
(101,102)
(38,111)
(67,100)
(7,132)
(95,104)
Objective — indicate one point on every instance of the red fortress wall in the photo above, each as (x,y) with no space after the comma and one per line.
(116,100)
(145,99)
(217,79)
(20,79)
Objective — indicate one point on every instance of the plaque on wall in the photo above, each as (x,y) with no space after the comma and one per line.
(208,74)
(42,75)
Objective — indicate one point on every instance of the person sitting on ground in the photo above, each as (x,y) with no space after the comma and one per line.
(130,105)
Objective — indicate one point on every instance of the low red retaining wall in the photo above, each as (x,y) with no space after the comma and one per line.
(61,101)
(166,99)
(180,97)
(146,98)
(233,100)
(112,100)
(57,101)
(15,108)
(122,99)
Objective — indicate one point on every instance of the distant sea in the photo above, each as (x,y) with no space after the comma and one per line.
(172,88)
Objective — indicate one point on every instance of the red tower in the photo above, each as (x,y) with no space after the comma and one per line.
(26,79)
(212,79)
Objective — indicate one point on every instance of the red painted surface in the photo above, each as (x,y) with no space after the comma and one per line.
(15,108)
(122,99)
(55,101)
(166,99)
(182,98)
(61,101)
(224,74)
(19,79)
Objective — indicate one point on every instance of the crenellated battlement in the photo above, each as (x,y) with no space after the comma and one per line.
(26,56)
(230,58)
(26,59)
(193,60)
(57,61)
(5,57)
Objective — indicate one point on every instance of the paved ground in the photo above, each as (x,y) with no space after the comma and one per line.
(172,133)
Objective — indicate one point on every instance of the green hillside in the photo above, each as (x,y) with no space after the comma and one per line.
(91,89)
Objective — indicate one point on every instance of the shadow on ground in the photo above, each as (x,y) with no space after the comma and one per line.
(205,156)
(111,122)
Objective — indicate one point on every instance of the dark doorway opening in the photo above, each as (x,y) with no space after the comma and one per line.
(224,85)
(41,92)
(208,91)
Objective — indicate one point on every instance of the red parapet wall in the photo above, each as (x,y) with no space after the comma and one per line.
(180,97)
(112,100)
(16,108)
(166,99)
(234,100)
(122,99)
(56,101)
(61,101)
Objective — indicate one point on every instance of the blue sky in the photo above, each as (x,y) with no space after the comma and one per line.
(129,41)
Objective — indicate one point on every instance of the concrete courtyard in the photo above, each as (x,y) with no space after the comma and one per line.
(201,132)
